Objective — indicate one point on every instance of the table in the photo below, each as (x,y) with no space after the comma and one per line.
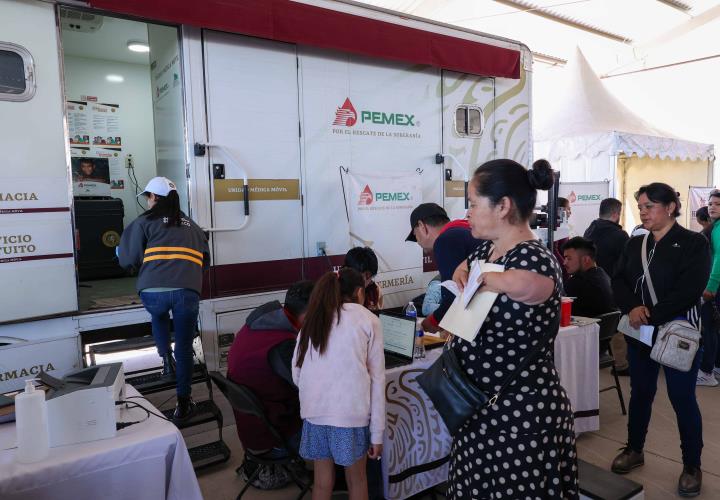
(417,444)
(147,460)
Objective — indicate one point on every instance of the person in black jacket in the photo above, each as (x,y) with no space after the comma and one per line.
(608,235)
(588,283)
(679,264)
(170,251)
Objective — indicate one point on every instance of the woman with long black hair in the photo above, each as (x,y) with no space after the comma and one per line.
(170,251)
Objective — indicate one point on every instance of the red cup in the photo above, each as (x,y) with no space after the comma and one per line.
(565,311)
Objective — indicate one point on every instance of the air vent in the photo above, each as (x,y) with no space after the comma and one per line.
(84,22)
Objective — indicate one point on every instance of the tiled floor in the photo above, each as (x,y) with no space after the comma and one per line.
(658,476)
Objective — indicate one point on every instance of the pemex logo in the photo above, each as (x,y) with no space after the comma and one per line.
(366,196)
(346,116)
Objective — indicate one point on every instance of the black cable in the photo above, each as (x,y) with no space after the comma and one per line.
(142,407)
(158,406)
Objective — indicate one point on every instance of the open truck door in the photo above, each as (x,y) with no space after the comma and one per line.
(37,262)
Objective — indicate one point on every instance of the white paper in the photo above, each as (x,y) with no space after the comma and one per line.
(466,322)
(473,282)
(644,334)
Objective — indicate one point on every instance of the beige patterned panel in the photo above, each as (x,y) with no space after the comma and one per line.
(415,435)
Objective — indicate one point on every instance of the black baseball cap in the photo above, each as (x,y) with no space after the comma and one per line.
(422,212)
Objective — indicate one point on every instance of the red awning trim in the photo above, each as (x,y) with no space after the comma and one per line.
(303,24)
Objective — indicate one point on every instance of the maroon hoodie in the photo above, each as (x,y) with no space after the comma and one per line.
(267,326)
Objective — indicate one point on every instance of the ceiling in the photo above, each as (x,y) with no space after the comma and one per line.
(109,43)
(616,35)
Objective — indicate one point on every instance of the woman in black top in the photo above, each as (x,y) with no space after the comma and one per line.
(523,446)
(678,260)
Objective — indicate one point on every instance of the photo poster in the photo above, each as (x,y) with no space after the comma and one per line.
(78,117)
(697,197)
(90,175)
(379,208)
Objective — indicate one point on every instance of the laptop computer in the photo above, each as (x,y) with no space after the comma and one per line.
(399,339)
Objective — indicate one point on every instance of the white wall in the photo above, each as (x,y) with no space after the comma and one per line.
(84,76)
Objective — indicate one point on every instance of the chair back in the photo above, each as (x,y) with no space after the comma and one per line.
(278,364)
(244,400)
(608,324)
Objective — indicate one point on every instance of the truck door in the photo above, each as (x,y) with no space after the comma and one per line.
(253,130)
(37,262)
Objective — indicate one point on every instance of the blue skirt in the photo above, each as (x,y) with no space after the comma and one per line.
(342,445)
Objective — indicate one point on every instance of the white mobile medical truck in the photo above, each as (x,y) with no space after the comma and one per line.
(294,130)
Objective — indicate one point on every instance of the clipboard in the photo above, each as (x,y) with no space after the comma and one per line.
(465,322)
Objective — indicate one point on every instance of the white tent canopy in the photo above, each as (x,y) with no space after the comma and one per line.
(590,122)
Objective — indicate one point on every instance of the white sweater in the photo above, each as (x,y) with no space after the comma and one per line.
(345,386)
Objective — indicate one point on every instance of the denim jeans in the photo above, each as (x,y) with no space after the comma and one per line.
(184,305)
(681,391)
(709,336)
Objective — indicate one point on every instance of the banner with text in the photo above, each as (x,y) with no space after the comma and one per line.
(697,197)
(584,198)
(379,208)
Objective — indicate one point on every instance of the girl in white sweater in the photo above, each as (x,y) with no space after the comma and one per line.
(339,368)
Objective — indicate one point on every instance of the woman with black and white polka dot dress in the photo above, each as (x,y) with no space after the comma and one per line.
(524,445)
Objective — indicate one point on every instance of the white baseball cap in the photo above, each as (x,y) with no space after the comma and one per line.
(160,186)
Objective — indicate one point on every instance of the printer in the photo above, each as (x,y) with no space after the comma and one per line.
(81,405)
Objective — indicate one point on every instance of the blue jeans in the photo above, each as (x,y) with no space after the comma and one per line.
(681,391)
(184,305)
(709,336)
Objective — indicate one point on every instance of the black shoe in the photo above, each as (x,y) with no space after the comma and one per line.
(627,461)
(690,481)
(168,370)
(184,409)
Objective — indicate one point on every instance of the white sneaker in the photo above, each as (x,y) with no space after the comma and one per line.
(707,379)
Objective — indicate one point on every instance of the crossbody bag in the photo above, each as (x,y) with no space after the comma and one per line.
(677,341)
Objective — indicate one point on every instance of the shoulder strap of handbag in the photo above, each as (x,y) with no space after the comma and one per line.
(646,270)
(552,329)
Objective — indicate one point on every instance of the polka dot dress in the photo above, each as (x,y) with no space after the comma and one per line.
(524,445)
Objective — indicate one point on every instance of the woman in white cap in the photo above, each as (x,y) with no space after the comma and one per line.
(170,251)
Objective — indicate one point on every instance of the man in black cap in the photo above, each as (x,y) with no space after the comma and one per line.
(450,242)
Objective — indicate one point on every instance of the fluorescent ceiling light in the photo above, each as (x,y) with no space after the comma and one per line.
(138,46)
(115,78)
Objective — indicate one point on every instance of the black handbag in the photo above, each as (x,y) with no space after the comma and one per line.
(455,397)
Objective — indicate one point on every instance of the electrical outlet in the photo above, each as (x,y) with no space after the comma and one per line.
(129,162)
(321,250)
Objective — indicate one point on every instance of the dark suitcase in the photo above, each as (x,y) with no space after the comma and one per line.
(99,225)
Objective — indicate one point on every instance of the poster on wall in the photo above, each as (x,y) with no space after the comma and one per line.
(115,164)
(78,123)
(105,125)
(584,198)
(697,197)
(378,210)
(90,175)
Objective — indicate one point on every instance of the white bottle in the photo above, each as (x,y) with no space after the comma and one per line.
(31,423)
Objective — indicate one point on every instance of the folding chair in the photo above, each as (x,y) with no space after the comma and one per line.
(243,400)
(608,328)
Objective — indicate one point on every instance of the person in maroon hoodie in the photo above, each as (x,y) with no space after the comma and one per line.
(270,326)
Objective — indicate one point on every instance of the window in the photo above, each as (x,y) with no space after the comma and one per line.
(17,73)
(468,121)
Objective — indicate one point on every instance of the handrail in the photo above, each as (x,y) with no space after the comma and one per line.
(246,193)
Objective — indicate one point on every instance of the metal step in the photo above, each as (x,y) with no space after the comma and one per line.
(150,382)
(208,454)
(205,411)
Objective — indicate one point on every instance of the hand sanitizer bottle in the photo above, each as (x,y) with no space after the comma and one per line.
(31,423)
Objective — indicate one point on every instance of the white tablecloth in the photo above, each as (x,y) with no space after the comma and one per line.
(146,461)
(417,444)
(577,363)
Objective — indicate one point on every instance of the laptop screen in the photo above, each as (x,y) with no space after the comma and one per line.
(399,334)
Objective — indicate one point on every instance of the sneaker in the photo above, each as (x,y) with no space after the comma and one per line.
(707,379)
